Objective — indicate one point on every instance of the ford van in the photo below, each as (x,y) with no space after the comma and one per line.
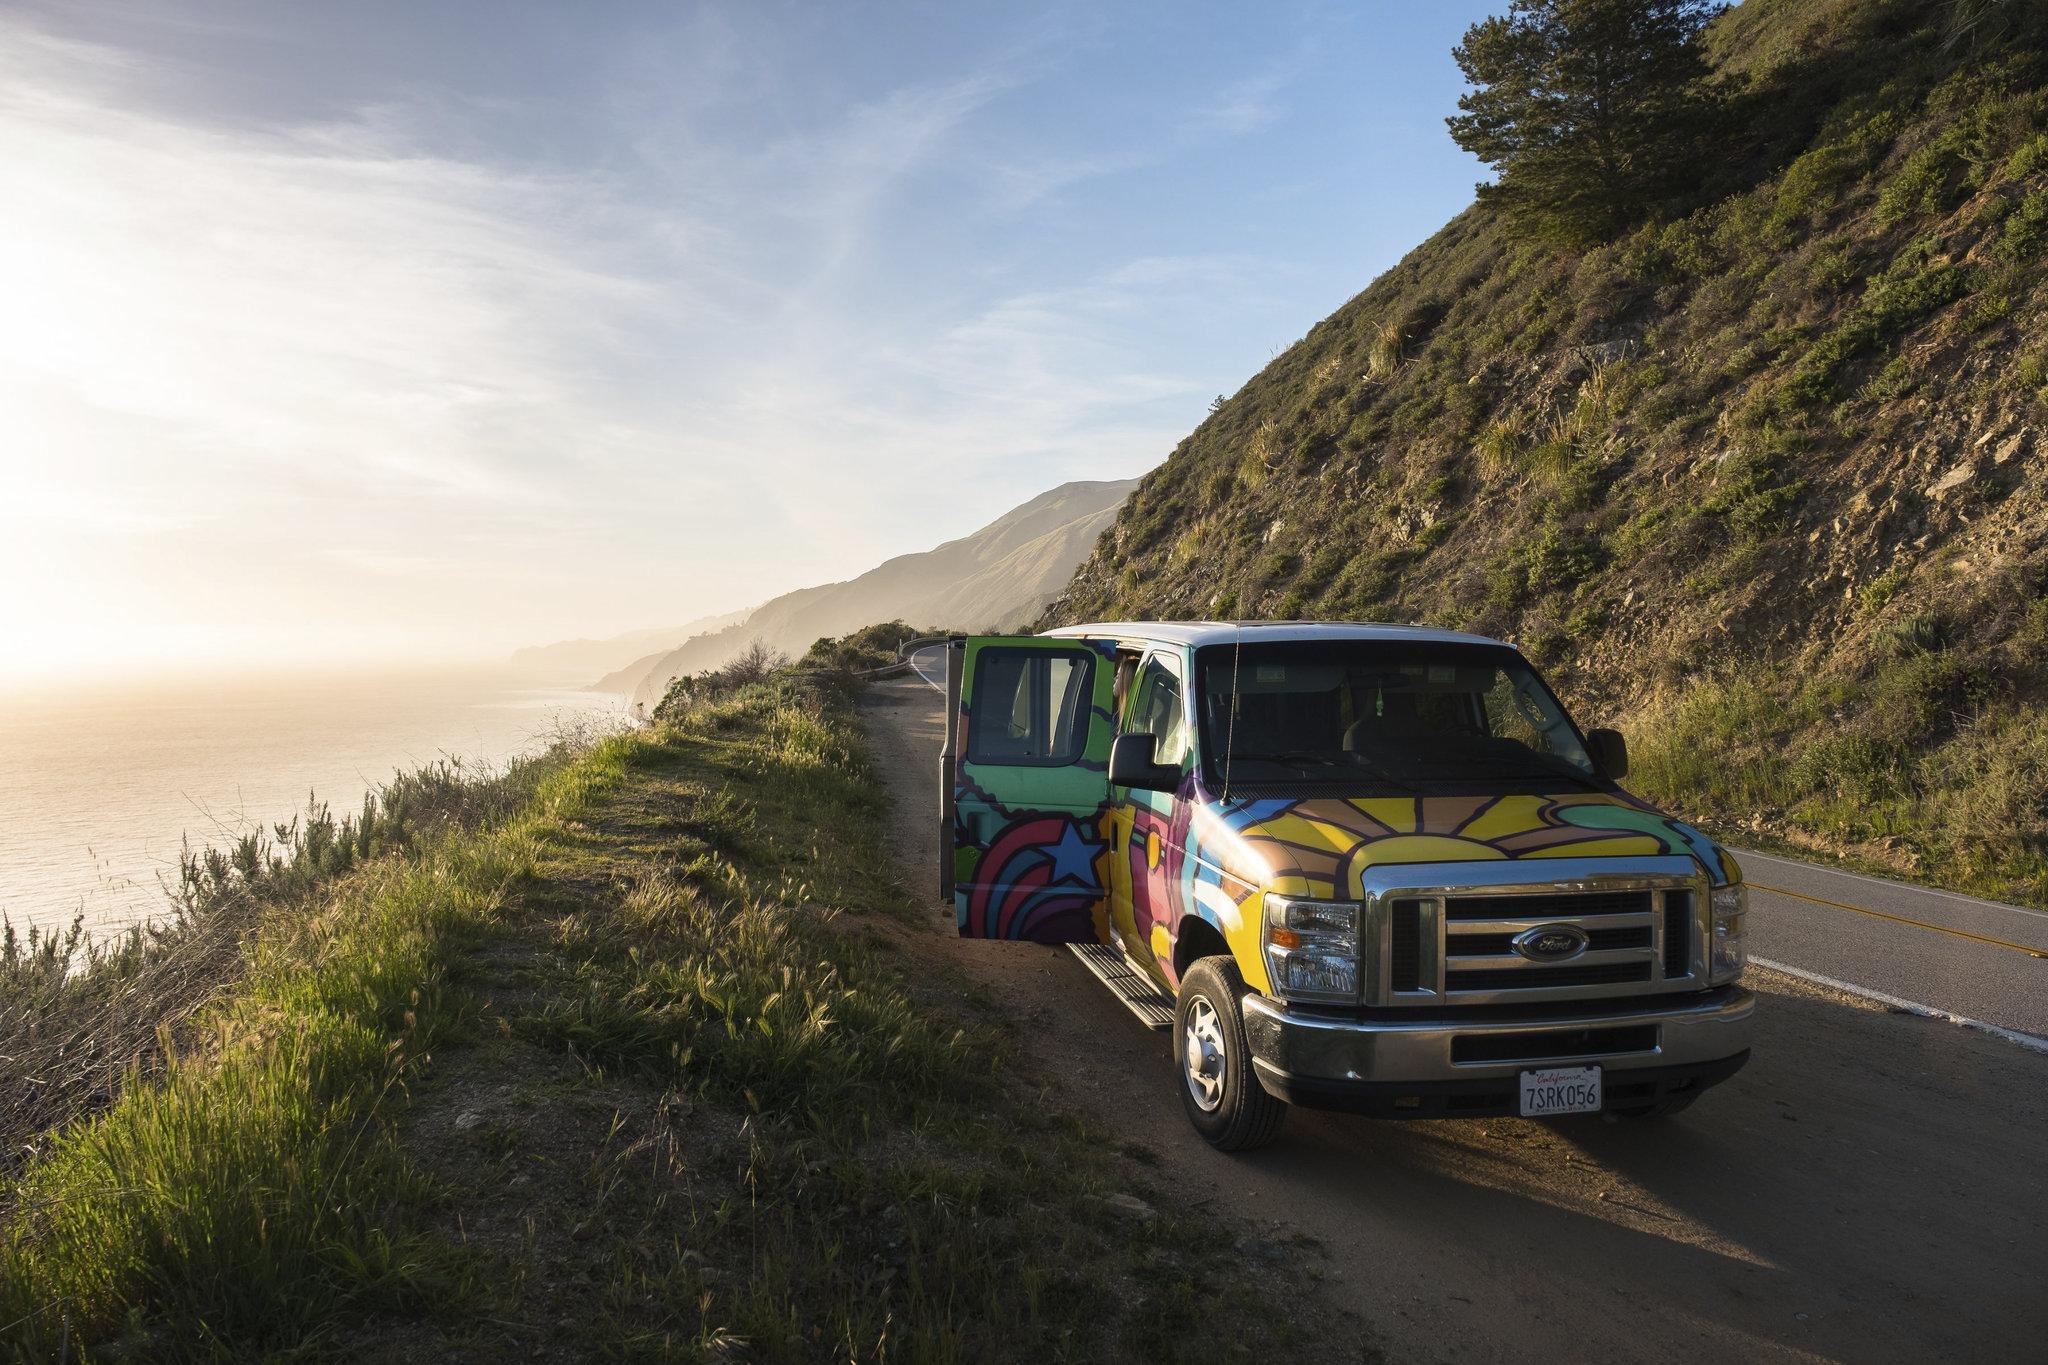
(1362,867)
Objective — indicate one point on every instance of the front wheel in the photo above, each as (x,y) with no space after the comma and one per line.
(1223,1098)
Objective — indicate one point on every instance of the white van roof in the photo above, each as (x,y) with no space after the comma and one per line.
(1199,633)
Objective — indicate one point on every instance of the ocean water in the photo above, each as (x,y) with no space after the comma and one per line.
(100,784)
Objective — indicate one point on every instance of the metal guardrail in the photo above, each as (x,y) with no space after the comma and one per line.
(894,670)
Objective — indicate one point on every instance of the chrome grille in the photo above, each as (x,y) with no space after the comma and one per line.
(1597,940)
(1453,942)
(1404,947)
(1625,932)
(1678,916)
(1549,905)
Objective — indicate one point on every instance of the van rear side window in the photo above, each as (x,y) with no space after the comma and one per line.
(1029,707)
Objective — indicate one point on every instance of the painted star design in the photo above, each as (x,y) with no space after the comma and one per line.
(1073,858)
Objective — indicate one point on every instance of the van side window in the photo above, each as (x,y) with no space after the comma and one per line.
(1030,707)
(1126,675)
(1157,710)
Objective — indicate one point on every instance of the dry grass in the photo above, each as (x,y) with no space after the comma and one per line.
(81,1019)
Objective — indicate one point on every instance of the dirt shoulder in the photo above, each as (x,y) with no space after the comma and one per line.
(1868,1188)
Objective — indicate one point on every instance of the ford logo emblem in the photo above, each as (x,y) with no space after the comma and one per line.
(1550,942)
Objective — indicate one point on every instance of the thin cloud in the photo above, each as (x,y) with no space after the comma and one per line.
(394,377)
(1019,186)
(1247,105)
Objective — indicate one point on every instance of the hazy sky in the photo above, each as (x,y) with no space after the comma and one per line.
(365,330)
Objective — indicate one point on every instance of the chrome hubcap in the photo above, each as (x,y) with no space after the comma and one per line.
(1202,1055)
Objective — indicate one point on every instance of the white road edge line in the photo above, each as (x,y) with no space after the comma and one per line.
(1978,901)
(937,684)
(2031,1042)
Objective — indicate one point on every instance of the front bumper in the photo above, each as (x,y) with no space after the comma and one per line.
(1450,1062)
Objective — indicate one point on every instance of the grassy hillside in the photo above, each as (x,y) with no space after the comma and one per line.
(630,1071)
(1764,484)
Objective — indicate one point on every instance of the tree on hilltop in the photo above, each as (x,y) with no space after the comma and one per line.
(1593,113)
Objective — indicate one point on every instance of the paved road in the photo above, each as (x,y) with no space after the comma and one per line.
(1871,1187)
(929,663)
(1957,954)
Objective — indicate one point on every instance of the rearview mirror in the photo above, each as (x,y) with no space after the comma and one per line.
(1609,752)
(1133,762)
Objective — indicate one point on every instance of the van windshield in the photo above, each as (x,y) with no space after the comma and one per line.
(1383,715)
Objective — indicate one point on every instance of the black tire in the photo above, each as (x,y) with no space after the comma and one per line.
(1238,1114)
(1662,1109)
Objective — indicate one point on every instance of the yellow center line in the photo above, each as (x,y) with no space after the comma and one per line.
(1901,919)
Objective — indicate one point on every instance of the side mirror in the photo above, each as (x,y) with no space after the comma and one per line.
(1133,763)
(1609,752)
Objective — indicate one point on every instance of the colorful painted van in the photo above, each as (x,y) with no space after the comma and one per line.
(1374,868)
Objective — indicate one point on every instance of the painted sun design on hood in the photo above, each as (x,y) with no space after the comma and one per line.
(1329,843)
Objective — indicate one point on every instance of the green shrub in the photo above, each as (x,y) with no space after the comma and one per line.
(1688,245)
(1899,299)
(1893,381)
(1323,566)
(1879,591)
(1986,311)
(1927,183)
(1813,183)
(1646,531)
(1751,494)
(1555,561)
(1836,267)
(2025,230)
(869,647)
(2030,159)
(2032,369)
(1849,765)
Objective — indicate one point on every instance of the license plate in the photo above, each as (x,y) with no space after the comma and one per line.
(1560,1090)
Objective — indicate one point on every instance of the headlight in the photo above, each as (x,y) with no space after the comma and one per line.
(1731,905)
(1312,948)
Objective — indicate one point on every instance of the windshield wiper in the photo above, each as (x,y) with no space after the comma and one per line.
(1544,770)
(1328,760)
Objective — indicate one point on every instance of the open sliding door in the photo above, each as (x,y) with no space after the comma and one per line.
(1029,758)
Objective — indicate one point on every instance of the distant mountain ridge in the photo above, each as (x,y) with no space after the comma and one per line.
(581,658)
(999,577)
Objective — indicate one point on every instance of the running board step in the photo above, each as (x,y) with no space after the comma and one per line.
(1141,994)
